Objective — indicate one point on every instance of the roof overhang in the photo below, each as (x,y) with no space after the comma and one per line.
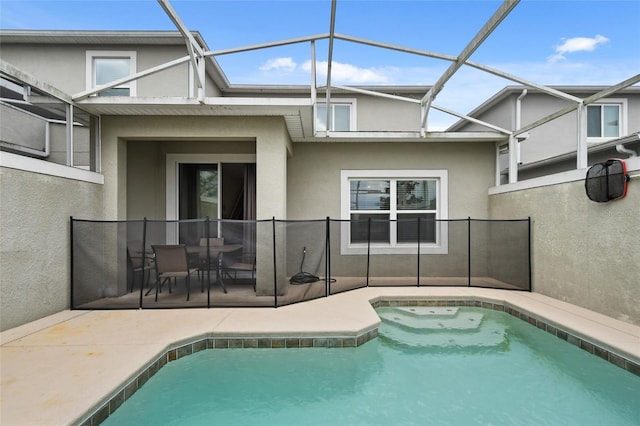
(296,112)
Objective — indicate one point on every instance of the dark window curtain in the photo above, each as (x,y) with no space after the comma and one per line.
(250,192)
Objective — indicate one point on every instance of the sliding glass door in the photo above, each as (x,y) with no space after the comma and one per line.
(198,194)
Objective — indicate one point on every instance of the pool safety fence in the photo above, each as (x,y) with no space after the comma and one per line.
(203,263)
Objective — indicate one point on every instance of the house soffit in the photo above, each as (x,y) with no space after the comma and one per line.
(296,112)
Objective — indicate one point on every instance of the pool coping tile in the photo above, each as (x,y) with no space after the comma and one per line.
(346,320)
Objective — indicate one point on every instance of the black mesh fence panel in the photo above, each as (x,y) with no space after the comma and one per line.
(107,264)
(227,263)
(500,254)
(348,271)
(450,265)
(301,262)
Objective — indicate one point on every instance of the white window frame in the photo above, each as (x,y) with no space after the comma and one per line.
(351,102)
(172,167)
(622,119)
(441,246)
(90,73)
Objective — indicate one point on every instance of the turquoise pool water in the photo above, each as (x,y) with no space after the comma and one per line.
(443,366)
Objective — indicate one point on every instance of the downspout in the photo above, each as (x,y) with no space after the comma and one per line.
(514,141)
(623,150)
(314,88)
(519,123)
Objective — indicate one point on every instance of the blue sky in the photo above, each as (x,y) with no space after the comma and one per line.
(548,42)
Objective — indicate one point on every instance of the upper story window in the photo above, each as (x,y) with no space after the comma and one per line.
(606,120)
(391,202)
(104,67)
(342,116)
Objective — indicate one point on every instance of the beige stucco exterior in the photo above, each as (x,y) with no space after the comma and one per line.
(66,65)
(35,244)
(314,173)
(294,180)
(204,135)
(583,252)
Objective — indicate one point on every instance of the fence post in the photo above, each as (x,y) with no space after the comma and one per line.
(327,259)
(368,247)
(529,254)
(144,259)
(275,258)
(71,253)
(469,249)
(418,278)
(207,231)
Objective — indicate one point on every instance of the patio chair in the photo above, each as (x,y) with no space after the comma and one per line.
(246,263)
(138,262)
(171,262)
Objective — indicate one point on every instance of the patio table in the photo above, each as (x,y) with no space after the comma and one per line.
(217,252)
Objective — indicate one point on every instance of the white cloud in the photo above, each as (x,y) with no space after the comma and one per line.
(347,73)
(576,44)
(279,64)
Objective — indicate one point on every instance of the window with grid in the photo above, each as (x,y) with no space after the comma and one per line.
(396,210)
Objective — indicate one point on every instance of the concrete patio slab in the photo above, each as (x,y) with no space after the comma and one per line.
(56,370)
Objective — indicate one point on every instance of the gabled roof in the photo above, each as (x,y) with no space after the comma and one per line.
(509,91)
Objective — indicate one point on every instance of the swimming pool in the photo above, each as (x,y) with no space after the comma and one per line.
(449,365)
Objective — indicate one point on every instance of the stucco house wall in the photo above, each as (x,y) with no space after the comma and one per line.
(65,66)
(35,245)
(380,114)
(583,252)
(314,173)
(266,136)
(314,185)
(553,138)
(147,163)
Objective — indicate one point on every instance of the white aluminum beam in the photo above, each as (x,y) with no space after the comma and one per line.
(582,155)
(327,93)
(173,15)
(612,89)
(394,47)
(471,119)
(513,163)
(416,101)
(452,58)
(32,81)
(378,94)
(85,94)
(484,32)
(191,43)
(69,135)
(266,45)
(527,83)
(593,98)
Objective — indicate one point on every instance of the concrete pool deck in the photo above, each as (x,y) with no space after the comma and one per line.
(58,369)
